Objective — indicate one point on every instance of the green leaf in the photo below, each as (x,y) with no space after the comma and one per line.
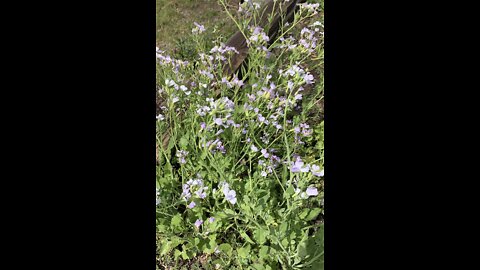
(184,141)
(258,266)
(246,237)
(310,214)
(260,235)
(302,251)
(285,242)
(289,192)
(177,220)
(177,253)
(166,247)
(226,248)
(246,208)
(229,212)
(184,255)
(283,228)
(263,253)
(243,252)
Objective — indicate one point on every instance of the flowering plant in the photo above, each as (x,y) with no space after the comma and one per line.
(240,160)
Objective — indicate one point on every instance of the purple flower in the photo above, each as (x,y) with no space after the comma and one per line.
(231,196)
(299,166)
(192,205)
(254,148)
(265,153)
(198,29)
(201,194)
(218,121)
(261,119)
(202,125)
(316,171)
(212,219)
(237,82)
(198,223)
(308,78)
(312,191)
(225,188)
(181,154)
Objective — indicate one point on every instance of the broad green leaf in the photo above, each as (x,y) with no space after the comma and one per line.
(244,252)
(246,237)
(166,247)
(258,266)
(184,142)
(263,252)
(227,248)
(310,214)
(177,253)
(229,212)
(289,192)
(260,235)
(284,242)
(177,220)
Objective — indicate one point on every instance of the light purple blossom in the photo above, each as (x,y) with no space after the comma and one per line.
(202,125)
(192,205)
(198,223)
(308,78)
(316,171)
(261,119)
(265,153)
(299,166)
(212,219)
(181,154)
(231,196)
(198,29)
(237,82)
(218,121)
(311,191)
(254,148)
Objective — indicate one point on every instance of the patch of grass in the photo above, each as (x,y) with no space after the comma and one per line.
(175,20)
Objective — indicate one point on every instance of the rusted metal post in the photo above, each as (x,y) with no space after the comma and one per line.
(282,12)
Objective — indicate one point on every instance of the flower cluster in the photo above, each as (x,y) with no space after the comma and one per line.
(166,60)
(196,187)
(198,28)
(181,155)
(230,194)
(303,130)
(299,166)
(309,192)
(258,36)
